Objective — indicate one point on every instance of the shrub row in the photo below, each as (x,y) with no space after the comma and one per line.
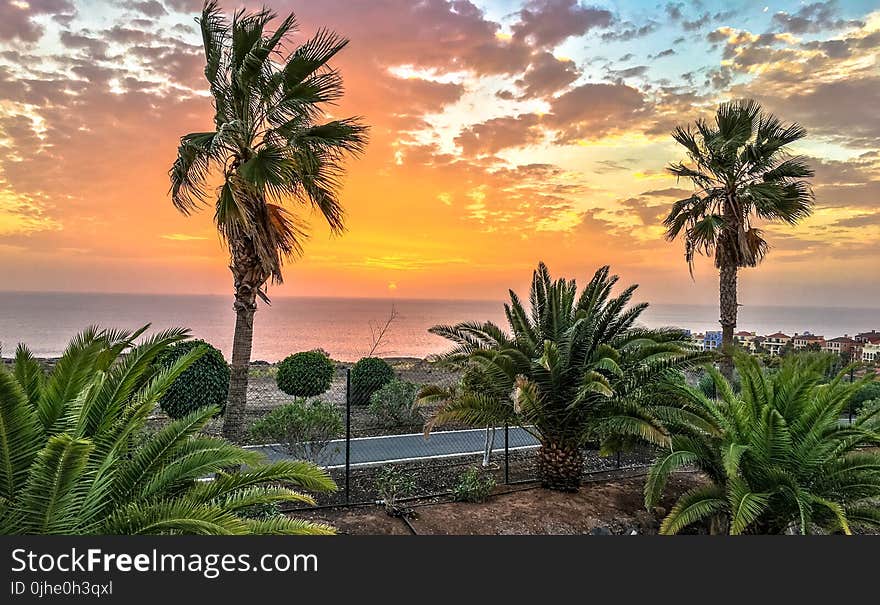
(304,374)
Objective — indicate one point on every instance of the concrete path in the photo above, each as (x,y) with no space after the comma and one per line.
(368,451)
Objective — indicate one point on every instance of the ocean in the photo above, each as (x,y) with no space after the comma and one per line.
(341,326)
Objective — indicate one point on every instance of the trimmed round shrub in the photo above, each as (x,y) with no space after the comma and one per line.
(305,374)
(204,383)
(368,376)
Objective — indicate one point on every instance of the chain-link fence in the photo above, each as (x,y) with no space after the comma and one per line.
(370,437)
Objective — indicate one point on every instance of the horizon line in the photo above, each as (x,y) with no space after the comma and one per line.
(393,298)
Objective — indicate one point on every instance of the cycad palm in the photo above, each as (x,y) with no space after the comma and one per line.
(268,147)
(70,461)
(776,454)
(576,368)
(742,175)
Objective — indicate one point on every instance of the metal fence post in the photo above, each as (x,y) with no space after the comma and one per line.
(347,435)
(849,404)
(506,454)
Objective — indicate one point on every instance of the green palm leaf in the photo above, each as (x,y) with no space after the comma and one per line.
(48,504)
(695,505)
(94,472)
(775,448)
(20,434)
(572,368)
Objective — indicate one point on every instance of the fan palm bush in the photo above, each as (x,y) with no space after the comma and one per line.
(73,459)
(270,151)
(575,367)
(743,175)
(775,453)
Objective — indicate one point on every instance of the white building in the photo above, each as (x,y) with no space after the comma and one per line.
(775,342)
(871,352)
(746,340)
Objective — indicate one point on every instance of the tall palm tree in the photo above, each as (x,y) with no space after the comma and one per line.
(574,368)
(743,174)
(268,147)
(75,458)
(775,453)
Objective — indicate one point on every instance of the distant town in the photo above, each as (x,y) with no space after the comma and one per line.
(860,347)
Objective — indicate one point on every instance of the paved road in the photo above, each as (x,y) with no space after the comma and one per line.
(366,451)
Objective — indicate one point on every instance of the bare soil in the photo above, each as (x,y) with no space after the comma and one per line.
(439,476)
(608,506)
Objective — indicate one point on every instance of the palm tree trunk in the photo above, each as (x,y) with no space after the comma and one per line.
(242,341)
(247,278)
(488,446)
(728,307)
(560,466)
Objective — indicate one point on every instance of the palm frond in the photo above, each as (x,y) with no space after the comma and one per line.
(695,505)
(20,433)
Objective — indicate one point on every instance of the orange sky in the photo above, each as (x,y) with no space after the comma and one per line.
(503,133)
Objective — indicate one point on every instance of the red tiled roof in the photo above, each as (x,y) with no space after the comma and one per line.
(779,335)
(845,339)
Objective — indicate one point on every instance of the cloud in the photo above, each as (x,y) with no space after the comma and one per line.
(628,31)
(676,13)
(674,193)
(594,110)
(408,263)
(828,86)
(664,53)
(96,48)
(629,72)
(109,97)
(547,75)
(860,220)
(854,183)
(589,111)
(844,109)
(150,8)
(648,213)
(604,166)
(500,133)
(23,214)
(548,22)
(812,18)
(16,19)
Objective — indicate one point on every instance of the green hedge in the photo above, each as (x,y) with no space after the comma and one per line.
(368,376)
(305,374)
(204,383)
